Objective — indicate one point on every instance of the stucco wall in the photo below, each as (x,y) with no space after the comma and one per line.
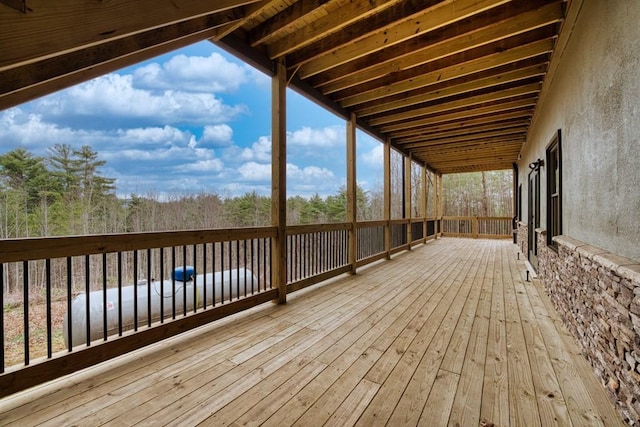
(594,98)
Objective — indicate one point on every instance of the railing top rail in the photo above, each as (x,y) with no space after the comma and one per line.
(375,223)
(12,250)
(400,221)
(315,228)
(446,217)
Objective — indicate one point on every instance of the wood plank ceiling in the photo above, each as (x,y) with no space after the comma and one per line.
(454,83)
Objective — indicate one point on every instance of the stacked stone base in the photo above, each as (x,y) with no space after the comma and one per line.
(598,296)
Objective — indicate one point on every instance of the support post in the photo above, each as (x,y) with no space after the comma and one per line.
(439,204)
(387,197)
(407,199)
(423,171)
(279,179)
(352,204)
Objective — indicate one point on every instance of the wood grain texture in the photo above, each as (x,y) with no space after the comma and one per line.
(447,334)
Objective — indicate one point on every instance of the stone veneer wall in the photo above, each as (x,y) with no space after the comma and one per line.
(523,238)
(598,296)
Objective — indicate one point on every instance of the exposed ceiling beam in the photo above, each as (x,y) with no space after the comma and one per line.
(429,19)
(249,12)
(529,89)
(456,130)
(359,29)
(463,114)
(45,31)
(33,79)
(470,33)
(419,141)
(280,23)
(458,70)
(338,16)
(470,86)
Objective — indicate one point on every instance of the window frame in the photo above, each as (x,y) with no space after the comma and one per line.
(554,182)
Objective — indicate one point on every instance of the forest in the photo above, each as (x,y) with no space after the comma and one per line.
(65,193)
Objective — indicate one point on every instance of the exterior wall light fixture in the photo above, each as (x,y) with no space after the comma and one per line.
(536,165)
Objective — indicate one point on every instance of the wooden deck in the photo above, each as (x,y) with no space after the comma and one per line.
(448,334)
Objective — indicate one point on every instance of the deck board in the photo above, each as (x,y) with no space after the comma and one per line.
(449,333)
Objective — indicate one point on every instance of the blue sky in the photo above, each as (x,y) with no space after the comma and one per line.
(194,120)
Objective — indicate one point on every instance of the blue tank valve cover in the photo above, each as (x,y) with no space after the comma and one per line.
(184,274)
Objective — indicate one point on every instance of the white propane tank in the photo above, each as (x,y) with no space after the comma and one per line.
(225,283)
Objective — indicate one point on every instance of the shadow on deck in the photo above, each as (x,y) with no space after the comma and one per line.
(449,333)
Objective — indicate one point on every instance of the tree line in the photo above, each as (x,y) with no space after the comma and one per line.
(66,193)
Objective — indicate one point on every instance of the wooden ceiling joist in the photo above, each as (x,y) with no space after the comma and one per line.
(470,86)
(78,65)
(462,114)
(51,28)
(453,83)
(420,141)
(529,89)
(445,42)
(455,129)
(428,19)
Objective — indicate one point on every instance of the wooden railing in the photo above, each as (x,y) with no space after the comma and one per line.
(316,253)
(473,226)
(83,300)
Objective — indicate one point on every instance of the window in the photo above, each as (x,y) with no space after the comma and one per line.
(554,190)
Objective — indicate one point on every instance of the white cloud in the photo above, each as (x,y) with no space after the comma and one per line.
(154,136)
(112,98)
(211,165)
(192,73)
(217,134)
(253,171)
(259,150)
(374,157)
(309,174)
(326,137)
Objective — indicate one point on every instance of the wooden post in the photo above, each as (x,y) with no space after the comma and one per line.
(435,205)
(407,199)
(423,171)
(387,197)
(352,204)
(439,204)
(279,179)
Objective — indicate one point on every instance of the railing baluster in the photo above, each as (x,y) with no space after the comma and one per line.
(258,261)
(222,273)
(253,242)
(173,282)
(161,285)
(213,269)
(237,269)
(149,282)
(47,268)
(69,295)
(104,297)
(119,262)
(270,260)
(25,308)
(2,318)
(185,279)
(135,290)
(204,278)
(87,302)
(230,271)
(195,287)
(244,249)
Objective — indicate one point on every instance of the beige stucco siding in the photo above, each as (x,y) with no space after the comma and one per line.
(594,98)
